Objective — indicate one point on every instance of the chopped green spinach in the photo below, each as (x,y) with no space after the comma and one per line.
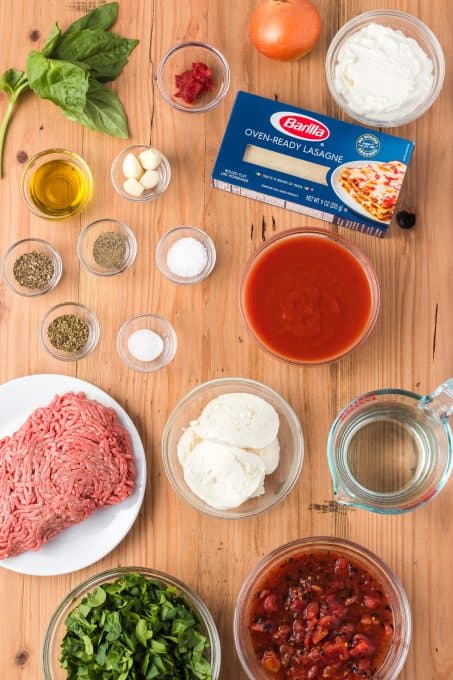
(132,629)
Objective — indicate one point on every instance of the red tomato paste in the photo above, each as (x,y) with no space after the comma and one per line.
(320,616)
(194,82)
(307,299)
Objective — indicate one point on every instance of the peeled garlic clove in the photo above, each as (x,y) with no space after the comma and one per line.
(150,179)
(150,159)
(131,167)
(132,187)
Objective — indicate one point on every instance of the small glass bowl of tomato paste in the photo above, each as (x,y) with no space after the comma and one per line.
(309,296)
(193,77)
(321,608)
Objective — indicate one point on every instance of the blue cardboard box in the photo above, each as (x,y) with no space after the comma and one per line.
(312,164)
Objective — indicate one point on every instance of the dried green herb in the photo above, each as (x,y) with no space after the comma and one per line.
(33,270)
(68,333)
(109,250)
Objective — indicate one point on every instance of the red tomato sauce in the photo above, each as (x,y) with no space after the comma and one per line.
(319,616)
(307,298)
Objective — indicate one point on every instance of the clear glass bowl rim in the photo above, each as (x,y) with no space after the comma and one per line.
(144,198)
(186,281)
(361,258)
(55,280)
(97,579)
(391,668)
(365,18)
(89,347)
(220,95)
(220,382)
(331,455)
(28,167)
(130,235)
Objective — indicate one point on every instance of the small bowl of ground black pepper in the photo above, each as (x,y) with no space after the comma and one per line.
(107,247)
(70,331)
(32,267)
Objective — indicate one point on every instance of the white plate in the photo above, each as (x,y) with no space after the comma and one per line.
(82,544)
(347,198)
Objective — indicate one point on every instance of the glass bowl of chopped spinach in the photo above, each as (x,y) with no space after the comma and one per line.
(132,623)
(107,247)
(70,331)
(32,267)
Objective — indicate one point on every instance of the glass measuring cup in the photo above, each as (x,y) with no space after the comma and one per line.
(391,451)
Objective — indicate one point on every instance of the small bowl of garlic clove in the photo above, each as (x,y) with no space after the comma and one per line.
(140,173)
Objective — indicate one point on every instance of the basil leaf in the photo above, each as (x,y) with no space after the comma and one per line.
(101,17)
(51,40)
(102,112)
(61,82)
(10,79)
(105,53)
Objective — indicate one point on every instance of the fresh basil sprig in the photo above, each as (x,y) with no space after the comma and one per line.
(71,70)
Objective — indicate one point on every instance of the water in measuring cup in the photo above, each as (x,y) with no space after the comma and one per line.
(390,450)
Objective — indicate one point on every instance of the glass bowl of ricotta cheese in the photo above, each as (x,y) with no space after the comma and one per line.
(385,68)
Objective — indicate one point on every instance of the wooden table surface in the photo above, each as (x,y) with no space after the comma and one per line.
(409,348)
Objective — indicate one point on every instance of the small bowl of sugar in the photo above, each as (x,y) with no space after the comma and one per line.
(186,255)
(146,343)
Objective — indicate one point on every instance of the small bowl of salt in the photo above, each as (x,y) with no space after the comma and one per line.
(186,255)
(147,343)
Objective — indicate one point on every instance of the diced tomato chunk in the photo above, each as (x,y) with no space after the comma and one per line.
(270,604)
(342,567)
(313,673)
(311,611)
(362,646)
(270,662)
(372,601)
(319,634)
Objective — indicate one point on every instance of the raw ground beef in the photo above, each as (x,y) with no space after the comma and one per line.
(67,460)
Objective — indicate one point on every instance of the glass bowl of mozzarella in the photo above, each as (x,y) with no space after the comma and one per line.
(233,448)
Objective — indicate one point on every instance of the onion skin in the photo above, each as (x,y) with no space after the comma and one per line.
(285,30)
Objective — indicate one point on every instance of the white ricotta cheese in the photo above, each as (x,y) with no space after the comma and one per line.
(382,73)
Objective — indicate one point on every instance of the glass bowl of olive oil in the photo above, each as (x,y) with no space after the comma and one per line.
(56,184)
(70,331)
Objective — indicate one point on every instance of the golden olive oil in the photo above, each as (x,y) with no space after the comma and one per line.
(59,188)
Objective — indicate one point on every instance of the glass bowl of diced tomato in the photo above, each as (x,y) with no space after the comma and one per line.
(322,608)
(193,77)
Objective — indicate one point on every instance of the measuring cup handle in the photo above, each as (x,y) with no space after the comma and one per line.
(441,400)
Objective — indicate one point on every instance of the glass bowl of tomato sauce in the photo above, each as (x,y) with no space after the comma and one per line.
(193,77)
(320,608)
(309,296)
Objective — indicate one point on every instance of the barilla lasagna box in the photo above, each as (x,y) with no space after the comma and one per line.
(312,164)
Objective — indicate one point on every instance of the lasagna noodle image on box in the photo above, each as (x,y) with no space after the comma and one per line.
(312,164)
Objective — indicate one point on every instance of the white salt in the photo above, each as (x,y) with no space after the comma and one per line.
(187,257)
(145,345)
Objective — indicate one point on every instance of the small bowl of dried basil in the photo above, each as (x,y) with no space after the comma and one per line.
(70,331)
(32,267)
(107,247)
